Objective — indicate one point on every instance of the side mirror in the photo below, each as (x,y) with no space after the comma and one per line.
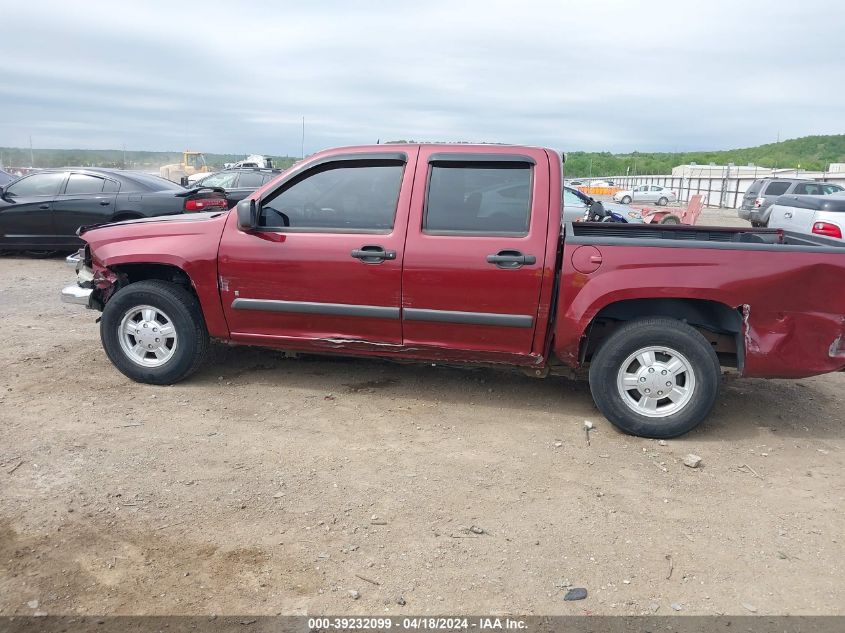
(247,214)
(183,181)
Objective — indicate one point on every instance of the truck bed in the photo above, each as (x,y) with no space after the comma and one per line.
(703,236)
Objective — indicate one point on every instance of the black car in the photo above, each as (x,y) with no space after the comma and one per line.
(239,182)
(42,211)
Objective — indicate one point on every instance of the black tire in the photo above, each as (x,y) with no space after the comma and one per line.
(626,200)
(670,219)
(662,202)
(636,335)
(185,314)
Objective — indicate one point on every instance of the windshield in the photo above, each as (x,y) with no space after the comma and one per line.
(225,179)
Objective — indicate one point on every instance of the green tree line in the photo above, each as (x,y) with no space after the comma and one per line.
(813,153)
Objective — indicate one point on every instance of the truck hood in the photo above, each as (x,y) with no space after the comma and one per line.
(168,239)
(181,217)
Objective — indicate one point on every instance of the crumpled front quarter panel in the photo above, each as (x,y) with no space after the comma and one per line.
(190,245)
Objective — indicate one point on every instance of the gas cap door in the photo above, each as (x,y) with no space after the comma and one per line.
(586,259)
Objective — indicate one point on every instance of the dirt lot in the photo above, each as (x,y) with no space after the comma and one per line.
(268,485)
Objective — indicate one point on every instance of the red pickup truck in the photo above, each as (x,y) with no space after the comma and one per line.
(458,253)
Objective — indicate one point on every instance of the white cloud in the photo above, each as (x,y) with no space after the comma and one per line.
(224,76)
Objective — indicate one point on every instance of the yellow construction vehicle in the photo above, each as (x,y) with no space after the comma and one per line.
(192,163)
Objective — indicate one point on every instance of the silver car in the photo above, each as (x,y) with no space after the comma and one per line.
(661,196)
(814,215)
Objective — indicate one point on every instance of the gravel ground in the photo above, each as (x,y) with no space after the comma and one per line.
(267,485)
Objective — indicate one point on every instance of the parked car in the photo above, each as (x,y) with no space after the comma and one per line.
(576,203)
(758,199)
(385,251)
(42,211)
(6,178)
(238,182)
(814,215)
(661,196)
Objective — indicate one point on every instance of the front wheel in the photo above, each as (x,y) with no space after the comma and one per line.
(655,377)
(626,200)
(663,202)
(154,332)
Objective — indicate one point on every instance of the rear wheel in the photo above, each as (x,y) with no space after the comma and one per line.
(655,377)
(670,219)
(154,332)
(626,200)
(662,202)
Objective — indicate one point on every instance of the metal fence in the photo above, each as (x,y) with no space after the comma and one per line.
(715,191)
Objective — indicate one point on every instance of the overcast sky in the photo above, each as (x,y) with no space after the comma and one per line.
(238,76)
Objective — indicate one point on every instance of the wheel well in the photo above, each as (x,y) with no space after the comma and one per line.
(719,323)
(131,273)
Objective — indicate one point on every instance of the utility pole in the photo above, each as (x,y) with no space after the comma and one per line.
(31,155)
(591,167)
(302,153)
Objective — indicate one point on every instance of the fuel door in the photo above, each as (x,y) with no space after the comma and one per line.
(586,259)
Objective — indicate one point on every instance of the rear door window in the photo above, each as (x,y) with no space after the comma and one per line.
(479,199)
(828,189)
(111,186)
(808,189)
(777,188)
(83,184)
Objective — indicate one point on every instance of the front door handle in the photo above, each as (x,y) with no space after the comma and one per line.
(510,259)
(44,206)
(373,254)
(105,203)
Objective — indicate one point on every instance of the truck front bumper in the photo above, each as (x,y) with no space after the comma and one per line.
(76,295)
(80,292)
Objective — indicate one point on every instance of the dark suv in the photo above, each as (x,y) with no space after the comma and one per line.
(762,193)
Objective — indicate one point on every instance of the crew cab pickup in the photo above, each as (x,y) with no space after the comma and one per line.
(457,253)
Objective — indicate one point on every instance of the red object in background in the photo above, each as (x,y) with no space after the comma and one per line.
(684,215)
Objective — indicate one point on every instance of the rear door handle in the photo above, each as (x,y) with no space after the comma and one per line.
(510,259)
(44,206)
(373,254)
(105,203)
